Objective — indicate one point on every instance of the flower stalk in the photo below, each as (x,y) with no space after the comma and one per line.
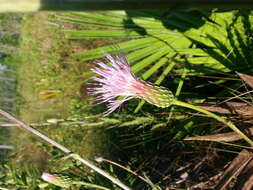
(218,118)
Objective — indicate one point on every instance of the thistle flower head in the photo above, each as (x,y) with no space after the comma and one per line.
(117,80)
(57,179)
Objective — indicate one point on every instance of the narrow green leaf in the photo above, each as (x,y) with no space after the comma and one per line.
(100,17)
(155,67)
(101,33)
(152,58)
(124,46)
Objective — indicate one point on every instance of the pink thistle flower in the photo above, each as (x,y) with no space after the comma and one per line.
(117,80)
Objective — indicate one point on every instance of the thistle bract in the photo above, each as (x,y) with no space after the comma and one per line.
(115,79)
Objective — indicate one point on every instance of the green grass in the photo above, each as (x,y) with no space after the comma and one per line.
(50,86)
(39,69)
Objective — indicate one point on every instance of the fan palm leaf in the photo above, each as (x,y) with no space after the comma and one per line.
(197,43)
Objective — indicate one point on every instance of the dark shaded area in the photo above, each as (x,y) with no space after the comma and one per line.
(183,21)
(132,26)
(82,5)
(3,55)
(174,19)
(168,162)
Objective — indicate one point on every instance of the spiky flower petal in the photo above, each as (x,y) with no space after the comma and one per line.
(117,80)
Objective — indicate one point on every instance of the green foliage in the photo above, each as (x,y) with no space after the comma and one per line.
(210,40)
(15,178)
(9,31)
(196,43)
(173,49)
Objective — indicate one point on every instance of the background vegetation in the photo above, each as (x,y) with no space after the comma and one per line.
(194,54)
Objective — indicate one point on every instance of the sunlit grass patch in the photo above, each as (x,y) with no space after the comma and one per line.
(49,85)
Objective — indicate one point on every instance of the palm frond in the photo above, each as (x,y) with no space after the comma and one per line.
(199,43)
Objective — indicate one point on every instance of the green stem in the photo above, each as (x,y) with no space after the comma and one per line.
(90,185)
(218,118)
(179,88)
